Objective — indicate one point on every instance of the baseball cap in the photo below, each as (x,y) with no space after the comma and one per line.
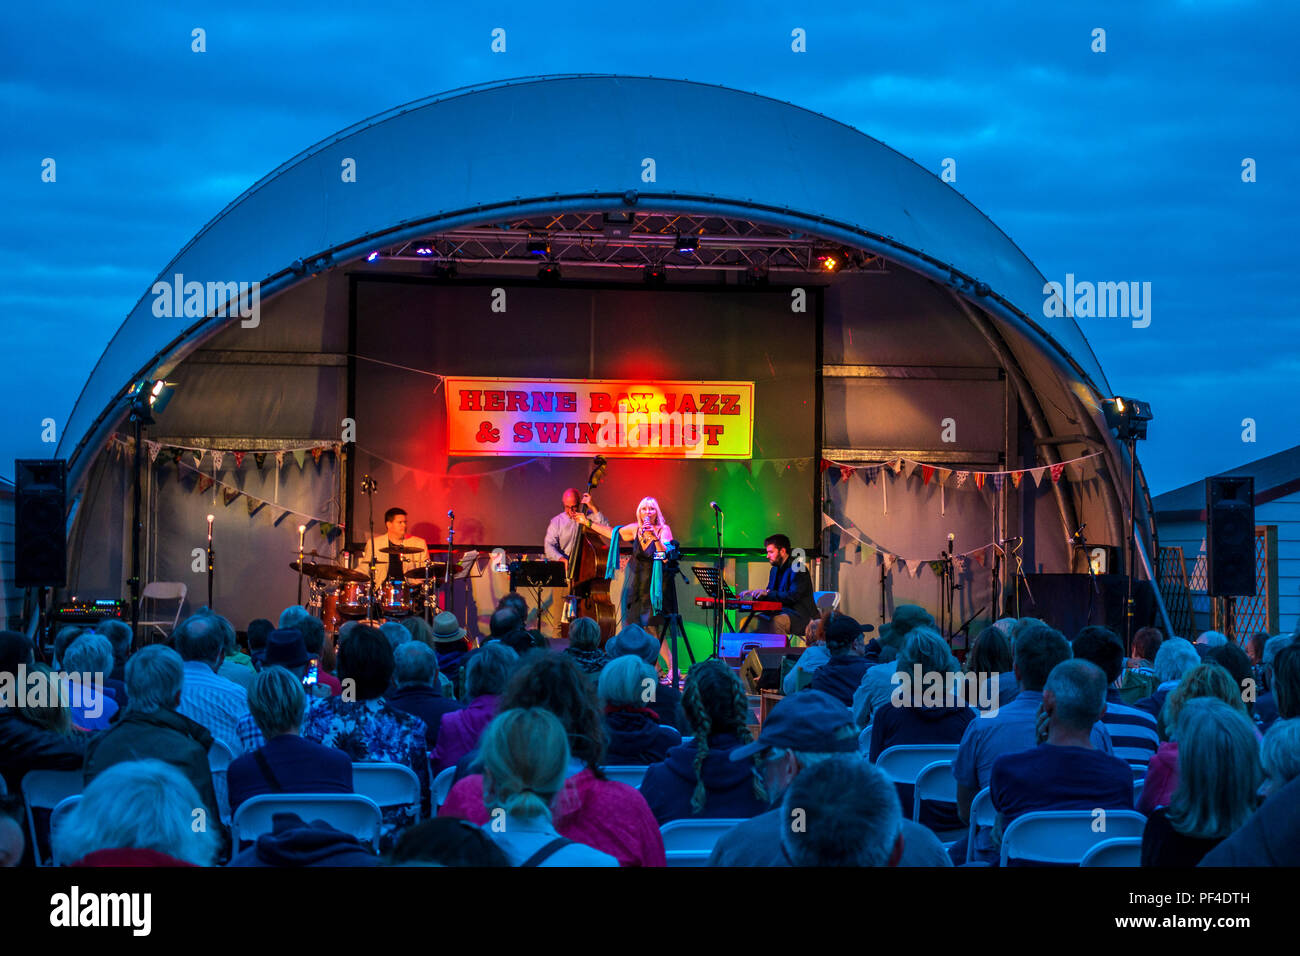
(906,617)
(842,629)
(811,721)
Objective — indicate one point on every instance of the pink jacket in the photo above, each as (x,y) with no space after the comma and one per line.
(612,817)
(459,731)
(1161,780)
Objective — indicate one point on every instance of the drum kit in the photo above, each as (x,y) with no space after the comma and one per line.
(339,593)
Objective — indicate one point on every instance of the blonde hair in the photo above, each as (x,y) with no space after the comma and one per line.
(525,754)
(1206,679)
(647,501)
(1218,770)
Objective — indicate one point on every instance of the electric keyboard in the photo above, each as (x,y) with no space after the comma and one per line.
(739,604)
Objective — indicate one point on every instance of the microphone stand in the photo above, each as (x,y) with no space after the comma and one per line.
(1081,543)
(368,488)
(449,598)
(302,529)
(719,606)
(211,518)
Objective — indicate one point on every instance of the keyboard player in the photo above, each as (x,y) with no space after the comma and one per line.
(793,588)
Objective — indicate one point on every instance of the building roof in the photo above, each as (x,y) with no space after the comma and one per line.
(1276,476)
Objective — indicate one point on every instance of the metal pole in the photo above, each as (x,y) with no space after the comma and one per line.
(211,518)
(134,581)
(1132,539)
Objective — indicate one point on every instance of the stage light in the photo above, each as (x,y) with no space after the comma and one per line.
(424,249)
(829,262)
(687,244)
(538,245)
(655,275)
(1128,417)
(372,257)
(549,272)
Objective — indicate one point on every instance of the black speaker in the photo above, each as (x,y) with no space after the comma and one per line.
(40,508)
(1069,602)
(1230,536)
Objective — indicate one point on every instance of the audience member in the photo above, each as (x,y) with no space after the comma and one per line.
(1266,702)
(1234,660)
(365,727)
(1218,770)
(814,656)
(877,683)
(517,603)
(1269,838)
(843,670)
(1132,732)
(637,641)
(842,812)
(421,631)
(258,631)
(24,745)
(120,637)
(152,726)
(286,763)
(312,630)
(396,634)
(63,640)
(285,649)
(1174,659)
(525,765)
(1255,648)
(636,734)
(294,842)
(13,836)
(486,676)
(802,731)
(214,701)
(451,647)
(1204,680)
(609,816)
(237,666)
(584,646)
(1280,755)
(1036,649)
(1140,670)
(1065,772)
(138,813)
(990,658)
(446,841)
(415,679)
(87,662)
(1285,681)
(699,778)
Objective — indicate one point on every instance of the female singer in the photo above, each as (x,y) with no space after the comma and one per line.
(649,536)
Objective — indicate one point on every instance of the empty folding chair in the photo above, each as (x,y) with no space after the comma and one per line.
(349,812)
(690,842)
(163,591)
(388,784)
(934,782)
(1121,851)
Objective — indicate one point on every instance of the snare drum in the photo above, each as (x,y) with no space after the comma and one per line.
(353,599)
(395,599)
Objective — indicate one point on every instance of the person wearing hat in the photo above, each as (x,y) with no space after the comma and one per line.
(842,673)
(667,702)
(802,731)
(285,648)
(878,681)
(451,645)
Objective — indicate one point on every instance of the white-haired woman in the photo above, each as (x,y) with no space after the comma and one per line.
(651,538)
(525,754)
(87,662)
(1280,755)
(637,735)
(137,813)
(1218,773)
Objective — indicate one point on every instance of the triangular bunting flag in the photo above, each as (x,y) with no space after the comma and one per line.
(914,566)
(253,504)
(909,466)
(888,560)
(279,459)
(315,455)
(176,454)
(153,448)
(827,521)
(999,479)
(936,568)
(979,479)
(833,477)
(927,472)
(1016,477)
(980,556)
(961,478)
(802,463)
(944,475)
(198,457)
(300,457)
(205,482)
(217,458)
(229,495)
(1039,474)
(239,458)
(498,478)
(846,472)
(823,464)
(1057,469)
(897,465)
(325,528)
(259,458)
(546,463)
(472,481)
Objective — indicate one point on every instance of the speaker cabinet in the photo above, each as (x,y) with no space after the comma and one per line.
(40,509)
(1230,536)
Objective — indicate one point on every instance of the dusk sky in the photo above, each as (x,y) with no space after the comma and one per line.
(1117,166)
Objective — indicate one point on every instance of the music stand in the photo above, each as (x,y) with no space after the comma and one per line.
(712,582)
(538,575)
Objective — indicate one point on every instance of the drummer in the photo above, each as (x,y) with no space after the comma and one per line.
(414,551)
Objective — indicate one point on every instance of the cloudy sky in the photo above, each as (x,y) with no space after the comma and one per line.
(1123,165)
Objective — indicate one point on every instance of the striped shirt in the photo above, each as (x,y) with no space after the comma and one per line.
(1132,731)
(215,702)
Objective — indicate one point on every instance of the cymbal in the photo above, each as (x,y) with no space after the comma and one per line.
(400,549)
(347,574)
(418,574)
(310,568)
(328,572)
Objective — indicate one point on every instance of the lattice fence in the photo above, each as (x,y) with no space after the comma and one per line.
(1172,573)
(1184,593)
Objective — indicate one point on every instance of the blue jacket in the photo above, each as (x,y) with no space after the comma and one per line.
(728,786)
(636,738)
(293,842)
(793,589)
(840,677)
(300,766)
(426,703)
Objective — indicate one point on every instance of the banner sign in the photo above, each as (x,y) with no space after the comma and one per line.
(583,418)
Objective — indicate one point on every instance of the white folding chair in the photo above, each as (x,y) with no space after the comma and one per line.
(902,763)
(44,789)
(57,817)
(934,782)
(690,842)
(826,600)
(350,812)
(982,814)
(629,774)
(864,741)
(441,787)
(1137,790)
(1065,836)
(1121,851)
(388,784)
(220,757)
(164,591)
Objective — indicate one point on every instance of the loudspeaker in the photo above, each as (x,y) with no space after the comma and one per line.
(1230,536)
(734,643)
(1063,600)
(40,508)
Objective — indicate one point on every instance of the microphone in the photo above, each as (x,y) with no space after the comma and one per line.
(951,538)
(211,518)
(714,506)
(451,514)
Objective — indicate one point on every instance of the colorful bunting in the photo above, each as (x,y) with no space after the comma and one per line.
(999,479)
(1057,470)
(1039,474)
(259,458)
(239,458)
(153,448)
(300,457)
(229,495)
(315,455)
(1016,477)
(979,479)
(927,472)
(205,482)
(962,477)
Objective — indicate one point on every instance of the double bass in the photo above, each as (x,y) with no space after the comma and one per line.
(588,591)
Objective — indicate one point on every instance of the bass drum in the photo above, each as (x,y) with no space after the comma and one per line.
(329,611)
(353,600)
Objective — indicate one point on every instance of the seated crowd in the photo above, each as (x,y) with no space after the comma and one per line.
(519,751)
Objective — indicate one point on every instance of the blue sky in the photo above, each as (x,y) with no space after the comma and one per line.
(1119,166)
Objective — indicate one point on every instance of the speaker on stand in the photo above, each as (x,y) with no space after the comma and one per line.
(1230,541)
(40,545)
